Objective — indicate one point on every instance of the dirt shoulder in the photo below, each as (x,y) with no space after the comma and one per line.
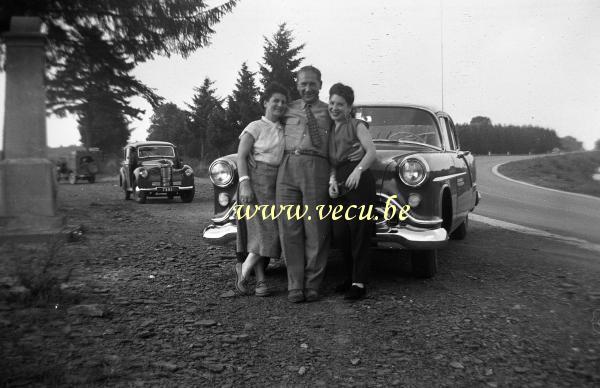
(505,309)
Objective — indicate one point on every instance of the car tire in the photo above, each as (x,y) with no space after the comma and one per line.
(139,196)
(460,233)
(424,263)
(187,196)
(72,178)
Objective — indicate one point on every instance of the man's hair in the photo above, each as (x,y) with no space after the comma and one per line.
(308,68)
(343,91)
(272,88)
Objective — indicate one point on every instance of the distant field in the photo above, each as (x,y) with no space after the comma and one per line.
(569,172)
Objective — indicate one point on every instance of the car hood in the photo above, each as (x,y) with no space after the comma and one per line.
(394,152)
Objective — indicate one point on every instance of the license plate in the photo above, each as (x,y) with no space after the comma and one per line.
(167,189)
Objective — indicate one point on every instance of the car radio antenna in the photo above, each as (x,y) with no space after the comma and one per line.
(442,46)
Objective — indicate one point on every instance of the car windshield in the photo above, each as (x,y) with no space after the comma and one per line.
(156,151)
(400,124)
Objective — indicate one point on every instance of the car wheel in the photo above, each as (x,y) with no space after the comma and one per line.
(424,263)
(187,196)
(461,232)
(72,178)
(139,196)
(92,179)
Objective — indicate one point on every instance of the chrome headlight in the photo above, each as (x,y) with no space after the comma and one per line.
(221,173)
(188,171)
(413,171)
(143,173)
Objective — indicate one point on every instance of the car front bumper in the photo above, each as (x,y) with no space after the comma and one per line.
(407,237)
(165,189)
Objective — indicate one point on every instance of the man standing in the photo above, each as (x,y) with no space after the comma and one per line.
(303,180)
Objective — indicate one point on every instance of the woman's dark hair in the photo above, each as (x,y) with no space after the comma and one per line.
(272,88)
(343,91)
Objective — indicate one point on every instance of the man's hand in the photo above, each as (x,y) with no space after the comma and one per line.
(334,191)
(358,154)
(246,193)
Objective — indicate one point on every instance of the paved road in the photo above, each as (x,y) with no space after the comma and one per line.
(560,213)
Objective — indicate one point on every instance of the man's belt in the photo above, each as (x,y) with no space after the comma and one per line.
(304,152)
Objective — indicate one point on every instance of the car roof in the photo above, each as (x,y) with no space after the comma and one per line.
(430,108)
(149,143)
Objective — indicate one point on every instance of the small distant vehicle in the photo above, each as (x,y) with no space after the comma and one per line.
(79,165)
(153,169)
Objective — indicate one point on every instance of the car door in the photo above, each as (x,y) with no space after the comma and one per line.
(462,160)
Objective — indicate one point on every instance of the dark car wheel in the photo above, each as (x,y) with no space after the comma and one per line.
(72,178)
(424,263)
(139,196)
(187,196)
(460,233)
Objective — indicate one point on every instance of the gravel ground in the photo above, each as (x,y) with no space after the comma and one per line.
(141,300)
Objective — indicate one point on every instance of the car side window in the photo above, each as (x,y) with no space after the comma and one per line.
(453,131)
(450,132)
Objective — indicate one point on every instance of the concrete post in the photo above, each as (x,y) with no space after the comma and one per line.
(27,183)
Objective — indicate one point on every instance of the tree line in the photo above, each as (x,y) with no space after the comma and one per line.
(480,136)
(210,125)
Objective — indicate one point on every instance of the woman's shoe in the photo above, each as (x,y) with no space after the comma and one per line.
(241,283)
(261,288)
(355,293)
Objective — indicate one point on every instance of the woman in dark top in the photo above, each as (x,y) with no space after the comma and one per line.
(351,183)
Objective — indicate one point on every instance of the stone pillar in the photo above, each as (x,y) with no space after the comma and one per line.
(27,183)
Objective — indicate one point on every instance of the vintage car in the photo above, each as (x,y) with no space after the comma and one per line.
(153,168)
(78,165)
(419,163)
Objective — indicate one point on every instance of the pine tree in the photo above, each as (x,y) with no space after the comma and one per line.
(100,81)
(204,104)
(281,60)
(243,105)
(169,123)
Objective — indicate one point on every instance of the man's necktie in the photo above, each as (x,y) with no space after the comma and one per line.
(313,128)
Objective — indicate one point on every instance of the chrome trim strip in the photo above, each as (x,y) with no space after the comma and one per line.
(443,178)
(434,221)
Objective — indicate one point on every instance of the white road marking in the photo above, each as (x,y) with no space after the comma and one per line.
(535,232)
(498,174)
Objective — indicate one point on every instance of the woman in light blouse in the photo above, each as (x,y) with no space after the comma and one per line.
(263,140)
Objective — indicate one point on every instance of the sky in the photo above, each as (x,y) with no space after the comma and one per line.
(522,62)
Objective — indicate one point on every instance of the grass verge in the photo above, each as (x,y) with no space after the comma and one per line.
(568,172)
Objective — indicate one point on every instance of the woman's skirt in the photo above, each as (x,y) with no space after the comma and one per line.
(261,235)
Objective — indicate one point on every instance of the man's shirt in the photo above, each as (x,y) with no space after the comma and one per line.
(296,127)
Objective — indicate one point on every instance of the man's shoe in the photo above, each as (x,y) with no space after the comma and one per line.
(296,296)
(241,283)
(261,289)
(312,295)
(343,287)
(355,293)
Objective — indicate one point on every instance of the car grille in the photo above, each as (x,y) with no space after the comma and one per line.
(165,175)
